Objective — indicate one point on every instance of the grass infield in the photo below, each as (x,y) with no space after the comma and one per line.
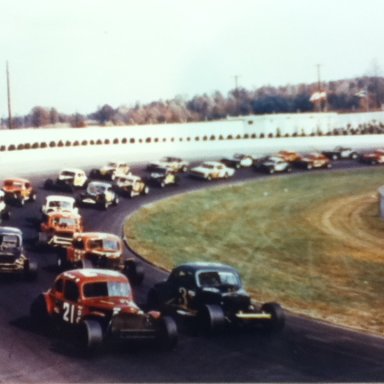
(312,242)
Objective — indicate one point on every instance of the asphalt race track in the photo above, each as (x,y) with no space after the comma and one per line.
(305,351)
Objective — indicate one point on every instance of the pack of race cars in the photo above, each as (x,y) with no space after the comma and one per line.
(92,295)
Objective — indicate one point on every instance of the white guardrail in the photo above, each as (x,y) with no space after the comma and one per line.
(248,127)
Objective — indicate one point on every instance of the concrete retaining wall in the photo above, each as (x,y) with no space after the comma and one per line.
(248,127)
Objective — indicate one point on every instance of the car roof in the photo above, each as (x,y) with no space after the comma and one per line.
(17,179)
(98,235)
(203,265)
(74,170)
(60,197)
(63,214)
(213,162)
(93,275)
(10,230)
(100,183)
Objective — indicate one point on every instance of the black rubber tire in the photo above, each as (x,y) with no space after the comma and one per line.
(354,156)
(167,335)
(134,270)
(146,190)
(94,173)
(271,171)
(211,318)
(31,270)
(38,312)
(48,184)
(61,261)
(91,335)
(277,321)
(309,167)
(6,214)
(32,197)
(153,300)
(335,157)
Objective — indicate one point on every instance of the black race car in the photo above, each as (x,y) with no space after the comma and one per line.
(341,153)
(212,294)
(162,176)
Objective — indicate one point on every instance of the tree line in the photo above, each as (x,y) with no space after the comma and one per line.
(349,95)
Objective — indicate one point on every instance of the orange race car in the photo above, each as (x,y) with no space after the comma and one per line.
(99,250)
(18,190)
(58,228)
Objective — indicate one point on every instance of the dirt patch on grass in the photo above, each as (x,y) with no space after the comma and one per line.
(355,222)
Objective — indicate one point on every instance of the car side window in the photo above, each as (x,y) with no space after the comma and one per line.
(71,291)
(183,278)
(59,285)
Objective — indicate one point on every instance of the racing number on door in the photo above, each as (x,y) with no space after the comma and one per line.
(69,312)
(183,298)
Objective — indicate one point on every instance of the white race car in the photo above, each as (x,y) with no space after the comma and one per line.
(210,170)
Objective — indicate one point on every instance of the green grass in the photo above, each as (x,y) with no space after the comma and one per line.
(267,229)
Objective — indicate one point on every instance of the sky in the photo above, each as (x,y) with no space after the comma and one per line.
(77,55)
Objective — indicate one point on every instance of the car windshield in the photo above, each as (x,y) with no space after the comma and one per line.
(65,221)
(107,289)
(208,166)
(95,189)
(108,244)
(112,164)
(216,279)
(67,174)
(60,204)
(9,242)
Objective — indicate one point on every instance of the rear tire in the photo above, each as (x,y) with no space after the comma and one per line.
(134,271)
(153,300)
(167,336)
(38,312)
(48,184)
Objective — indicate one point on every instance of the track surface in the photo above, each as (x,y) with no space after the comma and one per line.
(306,351)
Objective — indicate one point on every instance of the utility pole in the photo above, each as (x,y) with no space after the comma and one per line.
(9,99)
(236,92)
(318,78)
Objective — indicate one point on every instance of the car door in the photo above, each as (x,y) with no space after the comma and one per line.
(68,302)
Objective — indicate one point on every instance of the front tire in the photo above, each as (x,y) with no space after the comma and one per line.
(91,335)
(211,318)
(277,321)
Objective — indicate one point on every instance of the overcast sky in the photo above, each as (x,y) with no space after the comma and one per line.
(77,55)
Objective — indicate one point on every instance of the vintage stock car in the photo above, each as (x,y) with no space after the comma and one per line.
(211,170)
(99,194)
(13,259)
(68,180)
(18,190)
(213,295)
(99,250)
(95,306)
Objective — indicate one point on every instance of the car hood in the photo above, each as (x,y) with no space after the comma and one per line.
(200,170)
(116,304)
